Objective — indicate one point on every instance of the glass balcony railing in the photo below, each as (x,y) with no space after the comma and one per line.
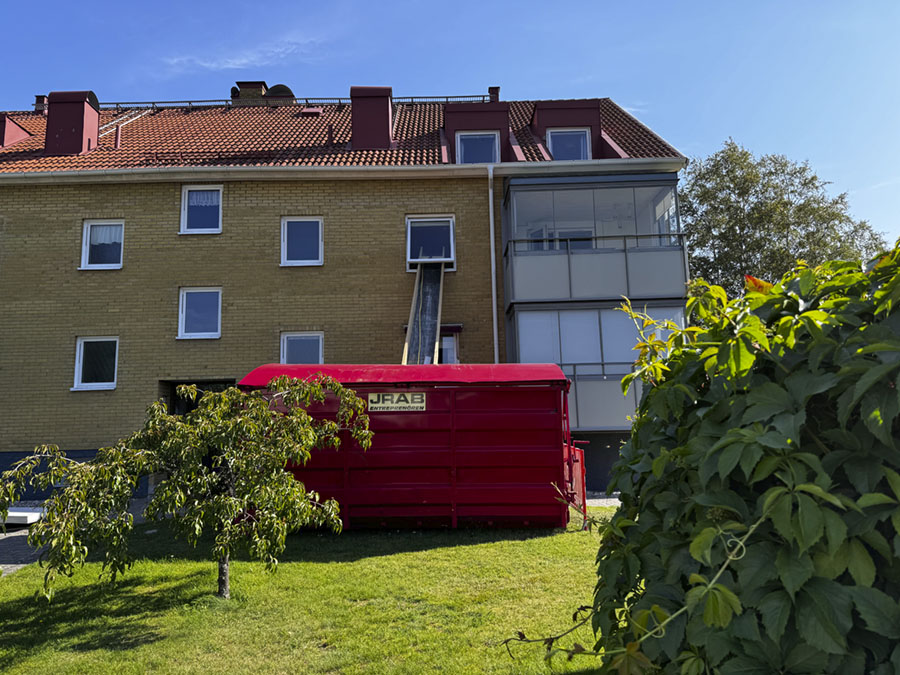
(596,402)
(595,268)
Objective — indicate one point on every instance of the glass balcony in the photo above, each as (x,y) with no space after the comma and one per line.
(596,402)
(595,268)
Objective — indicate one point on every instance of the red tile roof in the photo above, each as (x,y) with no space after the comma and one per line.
(280,135)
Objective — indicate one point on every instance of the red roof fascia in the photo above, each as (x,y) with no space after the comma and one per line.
(387,374)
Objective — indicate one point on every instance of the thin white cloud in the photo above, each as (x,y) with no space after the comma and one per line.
(877,186)
(294,49)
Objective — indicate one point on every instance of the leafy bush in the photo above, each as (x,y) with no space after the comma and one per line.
(759,530)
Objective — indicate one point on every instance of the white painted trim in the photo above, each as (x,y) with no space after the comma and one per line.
(86,245)
(302,263)
(410,219)
(462,134)
(170,174)
(182,294)
(585,130)
(302,334)
(185,189)
(79,362)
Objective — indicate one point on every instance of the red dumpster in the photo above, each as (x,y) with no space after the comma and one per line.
(454,445)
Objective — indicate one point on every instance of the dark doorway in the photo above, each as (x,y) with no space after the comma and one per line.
(179,406)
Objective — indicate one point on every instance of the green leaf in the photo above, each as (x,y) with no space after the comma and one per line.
(766,401)
(823,616)
(811,521)
(729,597)
(816,491)
(860,564)
(728,458)
(893,479)
(804,658)
(874,499)
(880,612)
(750,458)
(701,545)
(780,515)
(863,384)
(831,565)
(794,569)
(775,609)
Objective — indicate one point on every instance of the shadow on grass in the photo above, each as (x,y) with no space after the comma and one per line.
(325,546)
(91,616)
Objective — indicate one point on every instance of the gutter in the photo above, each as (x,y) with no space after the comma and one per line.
(256,173)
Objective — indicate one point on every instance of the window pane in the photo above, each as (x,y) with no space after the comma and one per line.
(301,349)
(655,207)
(477,149)
(573,217)
(569,144)
(105,246)
(580,334)
(201,312)
(673,314)
(203,210)
(619,336)
(614,211)
(538,337)
(429,239)
(447,350)
(302,240)
(533,217)
(98,361)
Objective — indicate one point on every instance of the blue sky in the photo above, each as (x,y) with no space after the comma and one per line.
(815,80)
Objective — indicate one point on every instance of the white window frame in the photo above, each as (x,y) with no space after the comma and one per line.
(461,134)
(585,130)
(449,263)
(79,362)
(285,262)
(302,334)
(185,189)
(182,300)
(453,338)
(86,245)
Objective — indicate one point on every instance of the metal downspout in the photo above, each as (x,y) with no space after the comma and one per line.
(490,170)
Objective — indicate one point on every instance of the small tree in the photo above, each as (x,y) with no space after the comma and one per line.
(224,466)
(757,215)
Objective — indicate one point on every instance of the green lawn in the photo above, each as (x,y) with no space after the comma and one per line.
(360,602)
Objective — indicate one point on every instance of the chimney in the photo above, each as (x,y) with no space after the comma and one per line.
(40,104)
(493,94)
(370,114)
(73,123)
(249,90)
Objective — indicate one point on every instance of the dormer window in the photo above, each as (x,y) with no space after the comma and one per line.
(477,147)
(569,144)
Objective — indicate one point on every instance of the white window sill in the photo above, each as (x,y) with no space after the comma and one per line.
(304,263)
(200,232)
(99,267)
(94,387)
(200,336)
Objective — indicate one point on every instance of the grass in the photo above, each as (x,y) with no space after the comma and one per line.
(360,602)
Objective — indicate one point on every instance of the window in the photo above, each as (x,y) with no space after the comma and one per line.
(301,241)
(430,239)
(200,313)
(477,147)
(569,143)
(302,348)
(201,209)
(96,360)
(448,351)
(101,245)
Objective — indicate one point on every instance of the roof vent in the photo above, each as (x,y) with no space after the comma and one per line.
(73,123)
(40,104)
(10,132)
(311,112)
(245,90)
(370,115)
(493,94)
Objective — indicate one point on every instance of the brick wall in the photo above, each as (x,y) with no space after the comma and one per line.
(359,298)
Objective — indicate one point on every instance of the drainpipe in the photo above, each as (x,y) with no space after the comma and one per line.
(490,170)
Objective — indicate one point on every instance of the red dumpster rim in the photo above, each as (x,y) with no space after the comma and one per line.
(385,374)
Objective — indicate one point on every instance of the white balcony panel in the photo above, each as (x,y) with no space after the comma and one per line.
(599,274)
(540,276)
(602,405)
(656,272)
(573,409)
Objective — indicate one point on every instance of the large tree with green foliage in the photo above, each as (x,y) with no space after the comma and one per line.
(224,474)
(758,215)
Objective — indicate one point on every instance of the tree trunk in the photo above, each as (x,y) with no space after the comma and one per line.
(224,578)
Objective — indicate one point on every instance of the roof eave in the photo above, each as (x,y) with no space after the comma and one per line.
(213,173)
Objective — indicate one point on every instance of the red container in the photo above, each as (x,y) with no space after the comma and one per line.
(453,445)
